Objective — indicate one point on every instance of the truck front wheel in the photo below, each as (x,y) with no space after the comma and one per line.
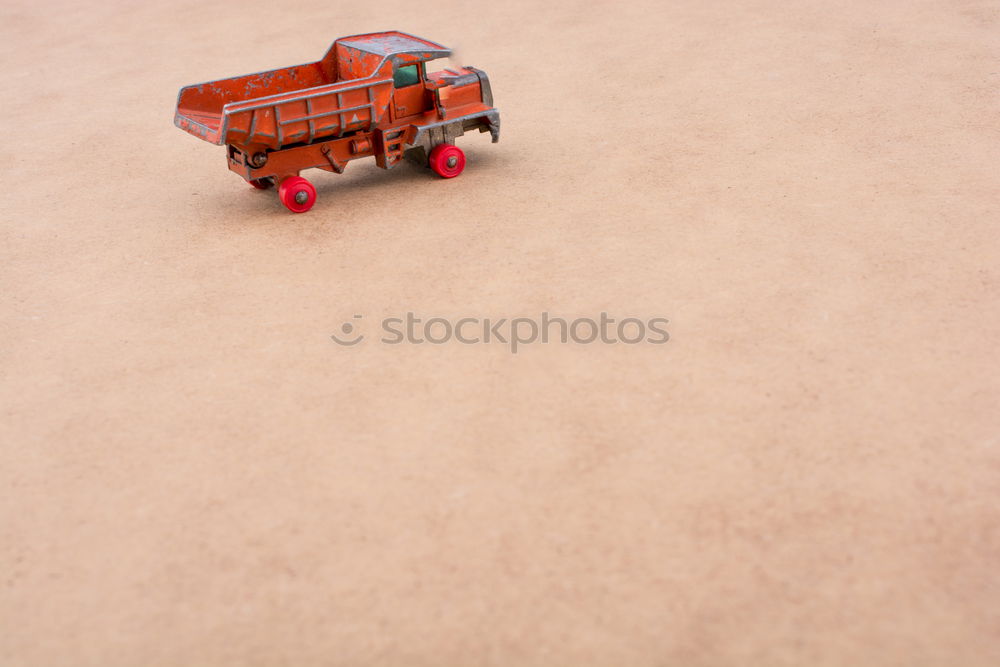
(447,160)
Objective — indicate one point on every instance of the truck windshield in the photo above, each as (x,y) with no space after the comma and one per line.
(406,76)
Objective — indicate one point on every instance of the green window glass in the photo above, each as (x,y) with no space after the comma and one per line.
(406,76)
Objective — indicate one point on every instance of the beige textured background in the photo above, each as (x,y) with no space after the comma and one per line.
(807,474)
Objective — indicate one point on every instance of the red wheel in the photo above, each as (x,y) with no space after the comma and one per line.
(262,183)
(297,194)
(447,160)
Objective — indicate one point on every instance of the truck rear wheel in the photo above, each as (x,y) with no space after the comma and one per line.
(297,194)
(447,160)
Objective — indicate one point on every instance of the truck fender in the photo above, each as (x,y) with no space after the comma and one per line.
(446,131)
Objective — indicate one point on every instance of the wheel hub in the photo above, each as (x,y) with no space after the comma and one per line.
(301,197)
(452,161)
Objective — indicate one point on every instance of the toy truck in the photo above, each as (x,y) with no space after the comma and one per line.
(370,95)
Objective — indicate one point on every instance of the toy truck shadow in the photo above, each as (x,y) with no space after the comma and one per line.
(370,96)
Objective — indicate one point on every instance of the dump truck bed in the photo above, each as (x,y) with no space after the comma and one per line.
(280,107)
(348,90)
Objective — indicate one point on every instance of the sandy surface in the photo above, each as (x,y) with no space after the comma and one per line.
(807,473)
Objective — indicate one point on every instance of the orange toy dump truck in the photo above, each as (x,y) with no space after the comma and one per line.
(370,95)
